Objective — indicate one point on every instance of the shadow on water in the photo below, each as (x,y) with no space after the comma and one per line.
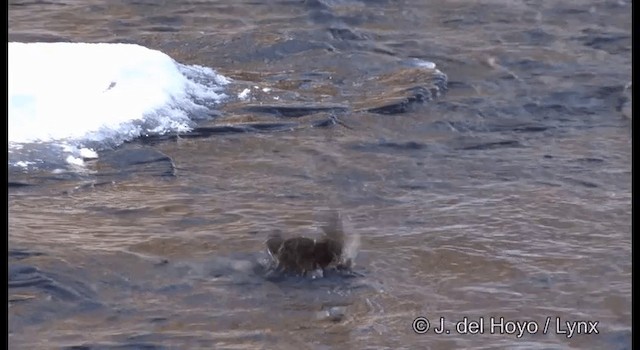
(55,295)
(207,287)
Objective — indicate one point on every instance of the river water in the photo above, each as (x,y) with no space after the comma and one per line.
(507,193)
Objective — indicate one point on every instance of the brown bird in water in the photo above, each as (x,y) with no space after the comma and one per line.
(301,255)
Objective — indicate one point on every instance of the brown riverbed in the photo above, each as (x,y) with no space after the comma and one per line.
(507,195)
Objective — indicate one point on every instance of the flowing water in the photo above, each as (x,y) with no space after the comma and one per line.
(500,190)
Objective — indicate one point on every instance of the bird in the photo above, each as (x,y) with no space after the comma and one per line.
(302,255)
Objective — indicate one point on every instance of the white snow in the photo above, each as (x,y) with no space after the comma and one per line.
(69,94)
(244,94)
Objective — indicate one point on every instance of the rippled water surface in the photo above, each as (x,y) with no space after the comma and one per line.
(501,191)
